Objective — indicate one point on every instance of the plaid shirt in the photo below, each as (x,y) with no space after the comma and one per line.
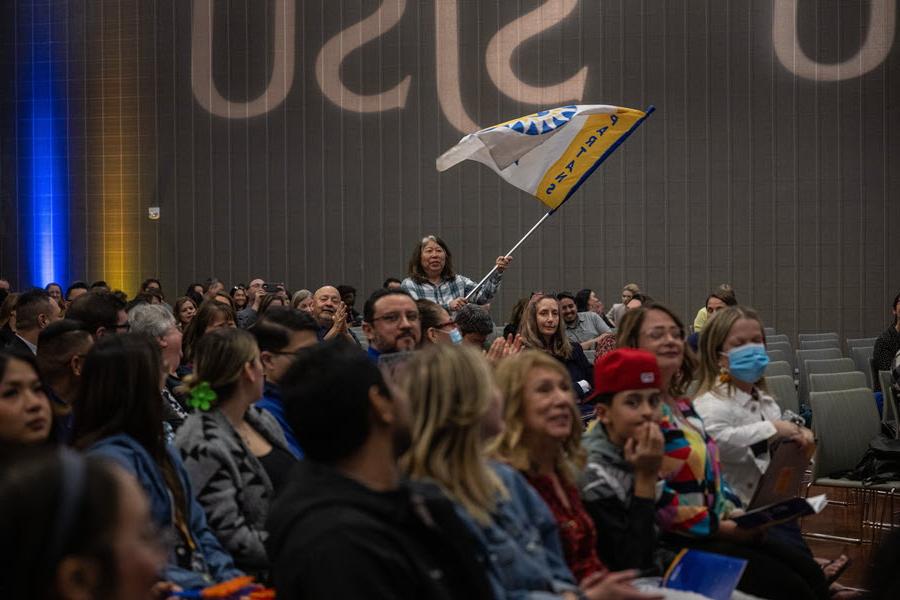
(449,289)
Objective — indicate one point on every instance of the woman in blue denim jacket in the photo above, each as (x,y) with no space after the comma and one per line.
(455,409)
(119,416)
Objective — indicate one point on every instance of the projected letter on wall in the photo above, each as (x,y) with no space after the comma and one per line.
(876,44)
(42,149)
(282,77)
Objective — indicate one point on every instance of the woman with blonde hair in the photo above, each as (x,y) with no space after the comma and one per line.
(455,410)
(542,440)
(732,400)
(542,328)
(235,453)
(743,418)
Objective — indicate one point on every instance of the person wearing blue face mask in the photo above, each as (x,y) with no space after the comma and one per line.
(436,324)
(732,400)
(744,419)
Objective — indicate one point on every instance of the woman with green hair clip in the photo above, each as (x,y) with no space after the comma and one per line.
(235,454)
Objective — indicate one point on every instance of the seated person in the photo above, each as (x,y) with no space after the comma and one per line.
(281,334)
(128,429)
(474,323)
(541,439)
(714,303)
(585,328)
(741,417)
(543,329)
(888,344)
(624,455)
(391,322)
(76,528)
(235,454)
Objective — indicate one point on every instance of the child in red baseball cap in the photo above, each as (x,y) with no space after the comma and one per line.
(625,450)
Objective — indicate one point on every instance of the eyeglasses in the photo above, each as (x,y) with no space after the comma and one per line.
(658,333)
(445,324)
(125,326)
(394,318)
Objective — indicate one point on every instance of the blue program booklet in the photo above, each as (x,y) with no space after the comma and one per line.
(781,512)
(712,575)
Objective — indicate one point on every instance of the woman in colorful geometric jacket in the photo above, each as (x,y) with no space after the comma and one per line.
(694,507)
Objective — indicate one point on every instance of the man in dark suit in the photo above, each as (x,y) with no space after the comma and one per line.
(35,310)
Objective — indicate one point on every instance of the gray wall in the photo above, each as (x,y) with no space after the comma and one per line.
(759,167)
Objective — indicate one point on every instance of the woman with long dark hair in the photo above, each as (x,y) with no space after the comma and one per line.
(26,416)
(119,415)
(76,528)
(211,315)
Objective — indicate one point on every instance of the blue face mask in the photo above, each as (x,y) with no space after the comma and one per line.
(455,336)
(748,362)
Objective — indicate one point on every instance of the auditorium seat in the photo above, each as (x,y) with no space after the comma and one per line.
(782,388)
(844,421)
(828,382)
(779,367)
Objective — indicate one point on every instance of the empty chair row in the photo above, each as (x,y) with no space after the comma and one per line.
(829,340)
(809,337)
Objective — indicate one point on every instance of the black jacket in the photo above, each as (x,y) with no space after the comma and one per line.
(331,537)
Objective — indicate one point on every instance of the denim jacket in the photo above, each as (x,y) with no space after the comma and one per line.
(521,547)
(130,455)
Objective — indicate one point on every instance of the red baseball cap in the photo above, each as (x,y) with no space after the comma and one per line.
(625,369)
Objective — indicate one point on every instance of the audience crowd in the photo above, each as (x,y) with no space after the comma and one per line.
(400,449)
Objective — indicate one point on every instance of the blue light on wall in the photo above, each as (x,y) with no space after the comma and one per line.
(42,172)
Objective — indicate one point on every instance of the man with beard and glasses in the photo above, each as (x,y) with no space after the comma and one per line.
(346,524)
(391,322)
(331,314)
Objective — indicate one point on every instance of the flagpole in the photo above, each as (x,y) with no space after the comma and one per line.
(511,250)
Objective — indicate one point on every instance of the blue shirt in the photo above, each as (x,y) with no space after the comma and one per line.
(128,453)
(373,354)
(520,547)
(273,404)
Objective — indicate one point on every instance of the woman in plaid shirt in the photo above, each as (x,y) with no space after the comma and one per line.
(431,276)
